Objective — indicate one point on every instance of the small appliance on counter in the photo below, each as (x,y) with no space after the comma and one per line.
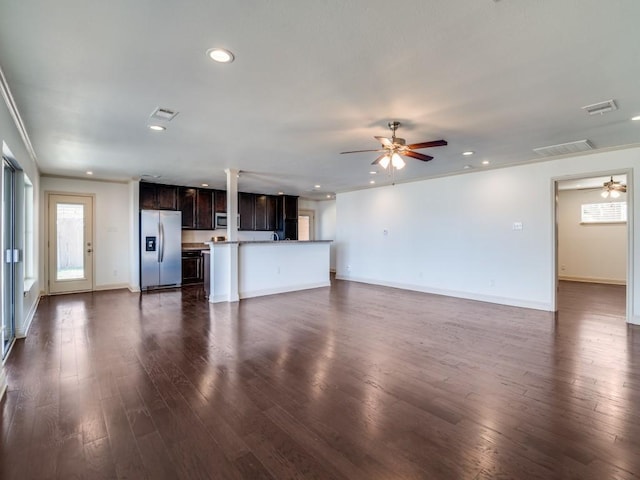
(160,248)
(219,239)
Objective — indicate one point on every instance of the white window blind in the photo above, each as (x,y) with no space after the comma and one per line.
(610,212)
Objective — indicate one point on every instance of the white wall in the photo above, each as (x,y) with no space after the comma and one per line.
(325,222)
(112,232)
(589,252)
(453,235)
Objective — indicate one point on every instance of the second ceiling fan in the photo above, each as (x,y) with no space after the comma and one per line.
(394,147)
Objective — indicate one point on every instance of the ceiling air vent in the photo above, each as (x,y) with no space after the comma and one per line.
(600,108)
(163,114)
(564,148)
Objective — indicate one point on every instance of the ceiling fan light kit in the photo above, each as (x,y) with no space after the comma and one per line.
(394,148)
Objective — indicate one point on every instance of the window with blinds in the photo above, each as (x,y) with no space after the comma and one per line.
(611,212)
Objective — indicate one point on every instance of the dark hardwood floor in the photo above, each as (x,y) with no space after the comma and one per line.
(355,381)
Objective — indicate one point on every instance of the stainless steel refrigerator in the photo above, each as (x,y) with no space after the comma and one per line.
(160,248)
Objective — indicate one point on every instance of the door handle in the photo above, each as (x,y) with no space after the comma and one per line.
(89,251)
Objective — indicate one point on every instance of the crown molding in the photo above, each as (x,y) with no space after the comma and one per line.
(17,119)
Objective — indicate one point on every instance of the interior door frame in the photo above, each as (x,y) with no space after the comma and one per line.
(630,233)
(47,250)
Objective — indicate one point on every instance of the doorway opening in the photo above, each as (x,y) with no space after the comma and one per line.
(593,243)
(306,223)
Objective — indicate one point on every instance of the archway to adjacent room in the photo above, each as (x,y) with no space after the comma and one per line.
(593,241)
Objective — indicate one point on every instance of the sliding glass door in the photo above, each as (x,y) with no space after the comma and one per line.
(10,255)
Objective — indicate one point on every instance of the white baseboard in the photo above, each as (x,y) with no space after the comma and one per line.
(28,319)
(284,289)
(110,286)
(133,288)
(634,319)
(607,281)
(512,302)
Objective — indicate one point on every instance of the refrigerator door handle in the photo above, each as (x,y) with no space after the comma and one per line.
(161,247)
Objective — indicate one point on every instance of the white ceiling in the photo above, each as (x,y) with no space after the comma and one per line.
(312,79)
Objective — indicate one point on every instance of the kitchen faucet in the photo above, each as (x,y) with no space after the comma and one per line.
(275,237)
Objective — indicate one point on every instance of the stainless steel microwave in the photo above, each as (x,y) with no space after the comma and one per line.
(221,220)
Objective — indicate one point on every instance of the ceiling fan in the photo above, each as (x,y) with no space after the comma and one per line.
(394,147)
(613,189)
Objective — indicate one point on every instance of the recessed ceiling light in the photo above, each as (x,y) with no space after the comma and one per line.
(316,186)
(328,196)
(157,128)
(467,167)
(220,55)
(485,162)
(205,184)
(373,172)
(468,152)
(372,182)
(636,118)
(280,193)
(89,172)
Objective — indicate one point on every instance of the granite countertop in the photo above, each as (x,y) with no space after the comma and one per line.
(275,242)
(194,246)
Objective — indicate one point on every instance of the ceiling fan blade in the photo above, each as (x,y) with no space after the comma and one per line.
(384,141)
(377,160)
(416,155)
(434,143)
(360,151)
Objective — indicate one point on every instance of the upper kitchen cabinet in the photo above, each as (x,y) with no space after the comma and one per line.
(272,213)
(187,205)
(266,213)
(246,209)
(204,209)
(290,207)
(196,205)
(154,196)
(220,197)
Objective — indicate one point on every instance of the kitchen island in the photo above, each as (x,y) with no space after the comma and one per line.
(244,269)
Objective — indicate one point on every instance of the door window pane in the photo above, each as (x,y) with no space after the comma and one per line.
(303,227)
(70,241)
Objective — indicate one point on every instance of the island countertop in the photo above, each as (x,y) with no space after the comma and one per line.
(267,242)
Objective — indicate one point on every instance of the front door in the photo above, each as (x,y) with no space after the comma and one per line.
(70,243)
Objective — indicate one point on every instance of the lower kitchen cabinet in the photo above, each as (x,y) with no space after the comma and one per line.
(192,266)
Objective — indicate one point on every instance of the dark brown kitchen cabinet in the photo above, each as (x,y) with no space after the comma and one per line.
(192,267)
(272,211)
(246,209)
(187,205)
(204,209)
(289,205)
(261,212)
(154,196)
(220,201)
(196,205)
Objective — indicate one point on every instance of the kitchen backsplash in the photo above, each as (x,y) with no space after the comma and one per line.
(199,236)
